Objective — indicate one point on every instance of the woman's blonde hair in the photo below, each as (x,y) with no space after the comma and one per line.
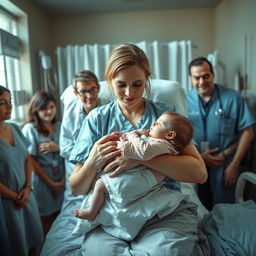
(126,55)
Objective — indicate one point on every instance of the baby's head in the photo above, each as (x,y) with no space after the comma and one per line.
(173,127)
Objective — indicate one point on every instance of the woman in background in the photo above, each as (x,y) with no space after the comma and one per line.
(22,227)
(42,131)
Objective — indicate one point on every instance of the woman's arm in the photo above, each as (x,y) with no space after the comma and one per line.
(48,147)
(83,174)
(8,193)
(186,167)
(56,186)
(23,195)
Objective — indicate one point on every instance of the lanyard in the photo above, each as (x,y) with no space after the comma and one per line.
(204,111)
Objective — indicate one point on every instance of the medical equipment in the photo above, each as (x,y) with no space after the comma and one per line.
(219,112)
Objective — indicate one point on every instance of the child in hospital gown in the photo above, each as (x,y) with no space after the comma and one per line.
(134,195)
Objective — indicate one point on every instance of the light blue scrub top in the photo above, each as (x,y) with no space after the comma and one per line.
(219,131)
(109,118)
(72,120)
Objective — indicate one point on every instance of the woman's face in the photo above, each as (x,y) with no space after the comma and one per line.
(47,113)
(129,84)
(5,106)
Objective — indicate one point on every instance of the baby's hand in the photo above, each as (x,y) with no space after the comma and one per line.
(124,137)
(140,132)
(143,132)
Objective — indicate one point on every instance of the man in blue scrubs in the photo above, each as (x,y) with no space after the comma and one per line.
(222,130)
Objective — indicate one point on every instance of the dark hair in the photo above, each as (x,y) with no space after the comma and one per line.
(199,61)
(183,128)
(84,76)
(3,89)
(37,103)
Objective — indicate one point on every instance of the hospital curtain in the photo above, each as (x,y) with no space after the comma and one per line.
(168,60)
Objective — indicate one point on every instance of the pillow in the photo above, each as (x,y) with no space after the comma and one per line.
(161,91)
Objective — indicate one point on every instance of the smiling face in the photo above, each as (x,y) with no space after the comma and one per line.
(47,112)
(202,79)
(87,92)
(128,85)
(162,128)
(5,106)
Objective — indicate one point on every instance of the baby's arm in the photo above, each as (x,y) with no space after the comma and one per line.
(159,177)
(145,148)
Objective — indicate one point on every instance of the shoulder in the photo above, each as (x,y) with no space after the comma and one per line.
(191,93)
(14,127)
(28,129)
(73,108)
(28,126)
(229,92)
(160,107)
(102,111)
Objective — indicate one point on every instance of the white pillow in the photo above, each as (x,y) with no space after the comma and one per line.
(161,91)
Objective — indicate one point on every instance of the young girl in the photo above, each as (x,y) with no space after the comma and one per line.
(42,131)
(21,230)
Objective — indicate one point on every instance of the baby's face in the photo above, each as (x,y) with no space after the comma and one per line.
(161,127)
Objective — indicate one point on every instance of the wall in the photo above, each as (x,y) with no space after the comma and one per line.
(222,28)
(162,25)
(47,33)
(234,19)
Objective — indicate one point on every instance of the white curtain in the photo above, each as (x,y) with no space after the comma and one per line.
(168,60)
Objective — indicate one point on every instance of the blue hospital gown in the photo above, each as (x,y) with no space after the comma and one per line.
(124,221)
(51,163)
(72,121)
(24,225)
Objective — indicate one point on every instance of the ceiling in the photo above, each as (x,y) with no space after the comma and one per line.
(73,7)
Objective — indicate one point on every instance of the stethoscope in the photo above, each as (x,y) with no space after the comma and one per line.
(219,112)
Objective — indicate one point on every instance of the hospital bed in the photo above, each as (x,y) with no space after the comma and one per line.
(60,242)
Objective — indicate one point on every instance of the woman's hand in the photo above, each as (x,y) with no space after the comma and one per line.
(83,175)
(22,198)
(120,164)
(58,187)
(47,147)
(103,151)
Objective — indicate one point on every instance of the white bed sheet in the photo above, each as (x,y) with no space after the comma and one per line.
(61,242)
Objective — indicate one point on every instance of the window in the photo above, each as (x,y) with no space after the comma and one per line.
(9,62)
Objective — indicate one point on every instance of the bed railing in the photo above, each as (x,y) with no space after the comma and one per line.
(240,186)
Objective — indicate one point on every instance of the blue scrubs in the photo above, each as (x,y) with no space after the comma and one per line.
(51,163)
(219,131)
